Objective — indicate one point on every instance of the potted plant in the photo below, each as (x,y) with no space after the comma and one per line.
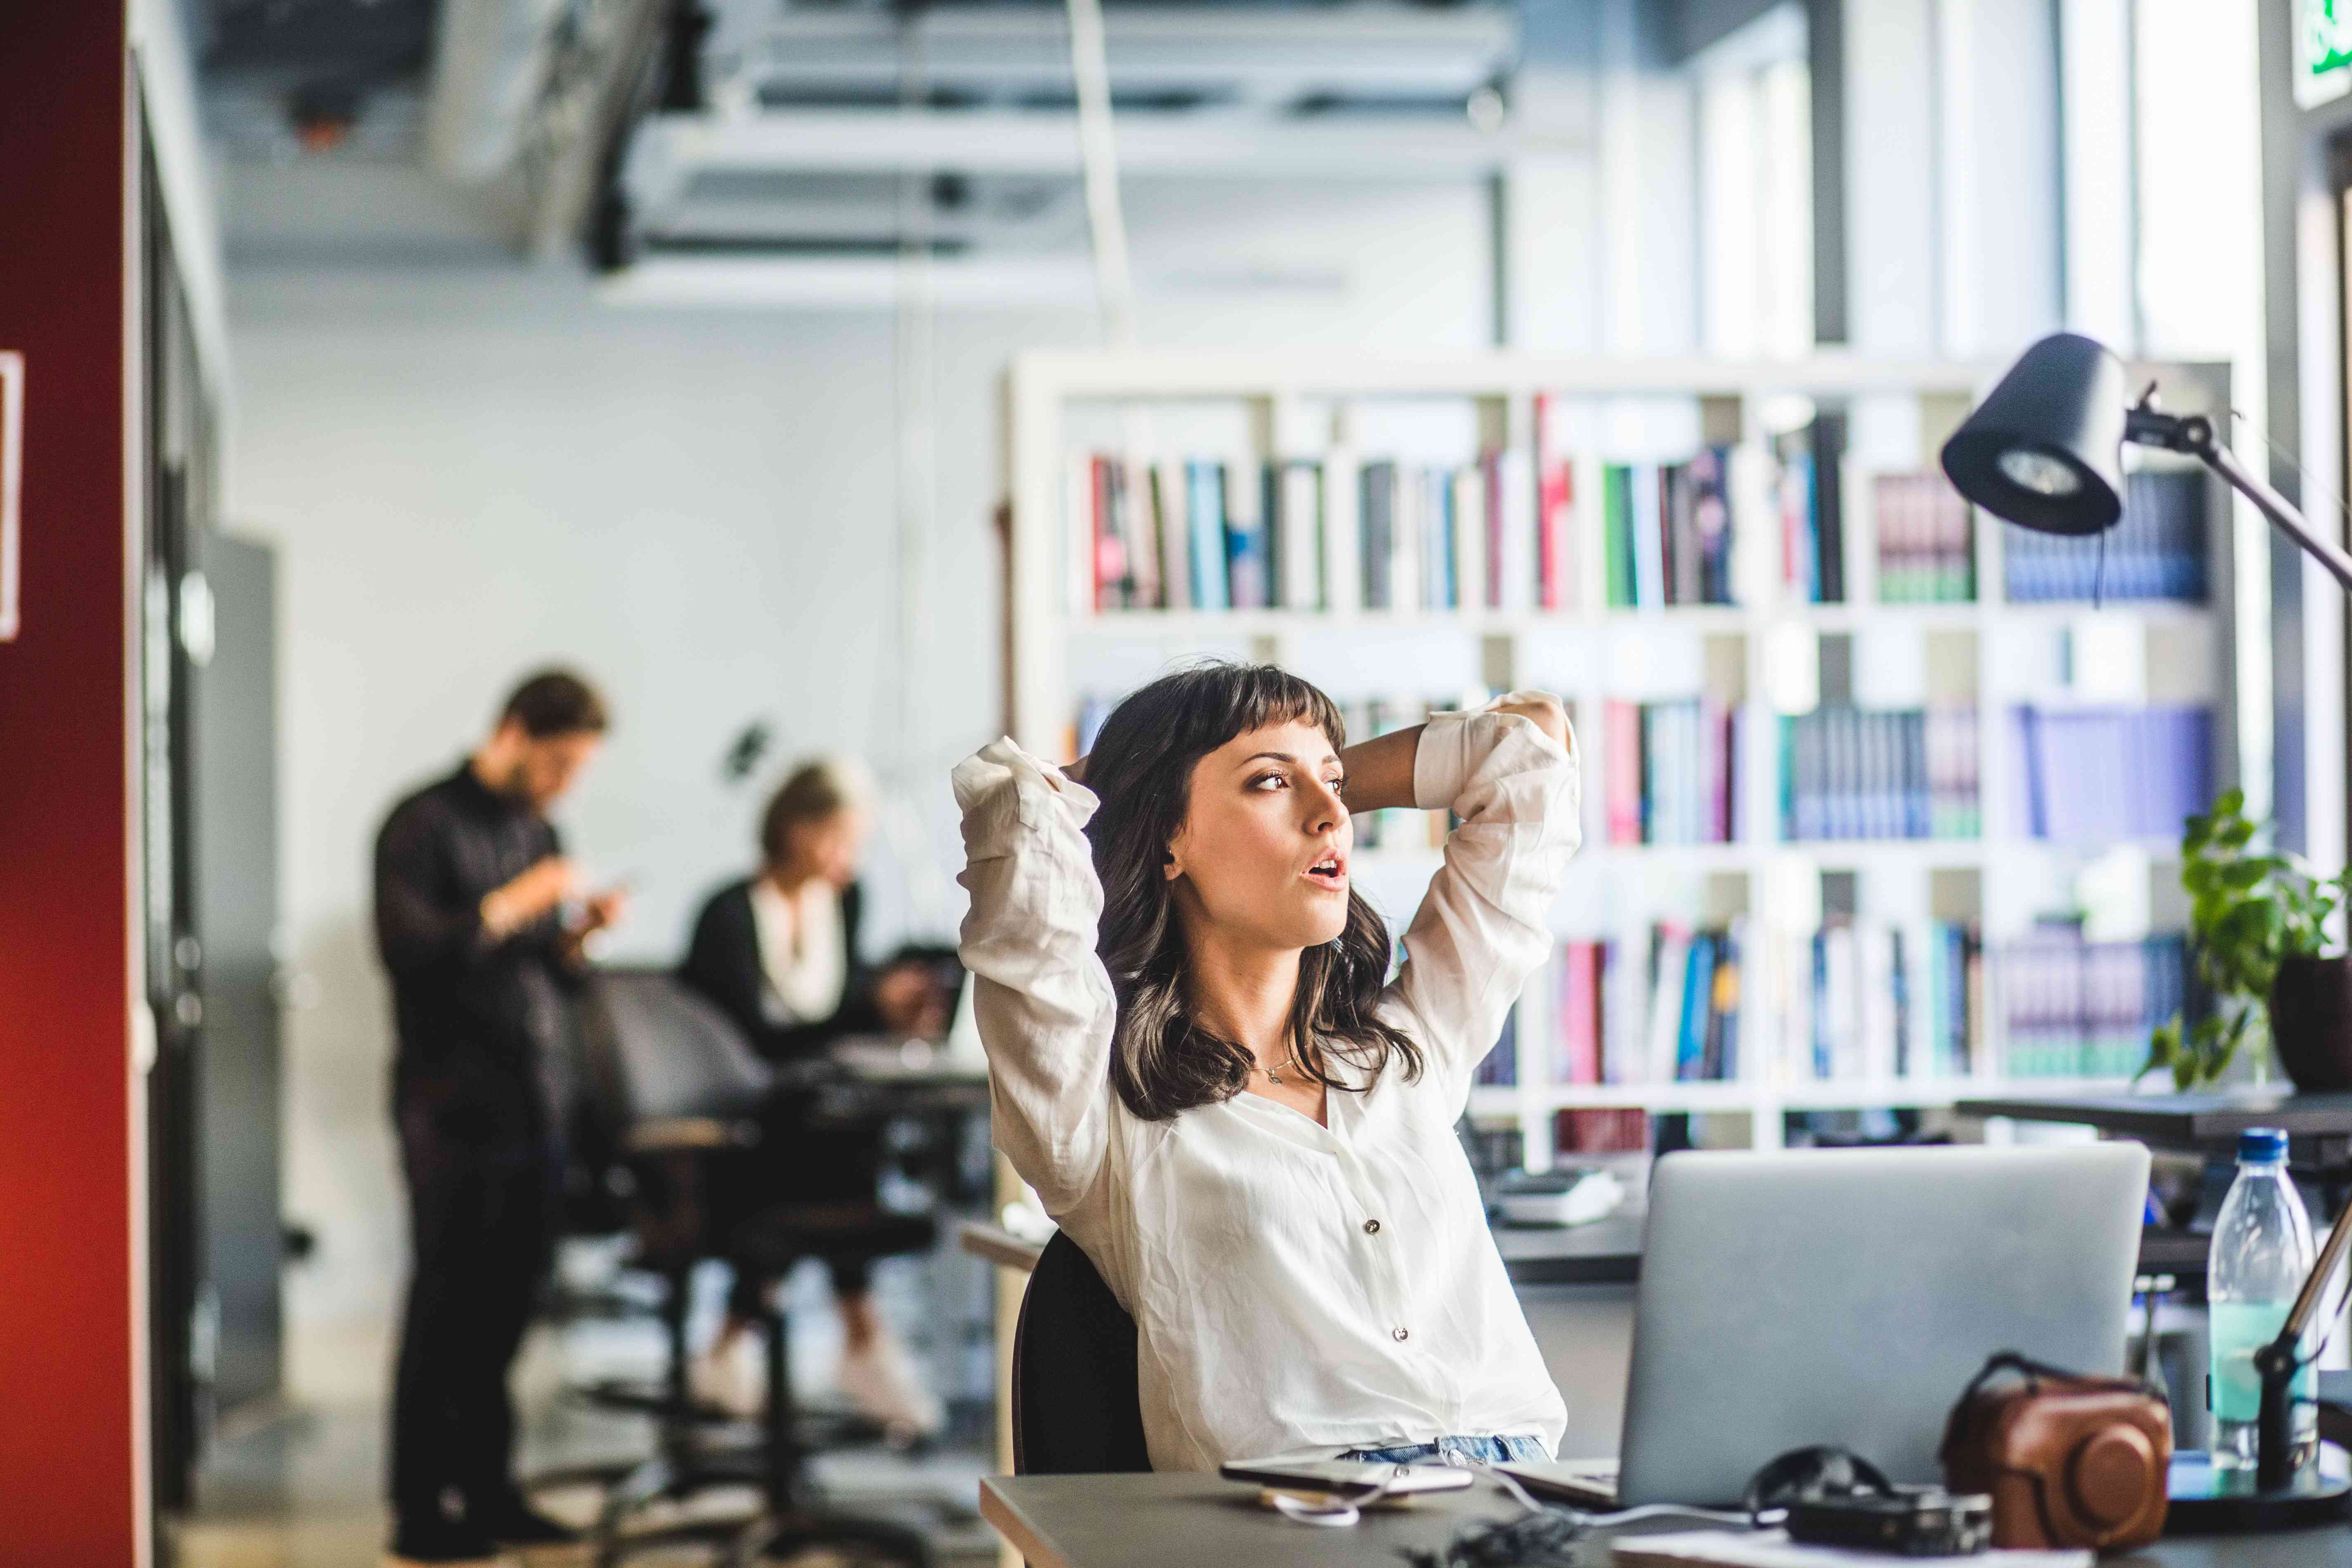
(2257,922)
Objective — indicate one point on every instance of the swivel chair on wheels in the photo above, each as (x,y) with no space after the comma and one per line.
(680,1093)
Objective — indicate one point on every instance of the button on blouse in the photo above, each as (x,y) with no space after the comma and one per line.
(1239,1235)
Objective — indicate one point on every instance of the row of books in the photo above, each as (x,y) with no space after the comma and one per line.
(1874,1002)
(1885,1001)
(2155,550)
(1498,533)
(2091,776)
(1852,772)
(1440,538)
(1206,533)
(1666,531)
(1672,770)
(1927,540)
(1664,1007)
(1203,534)
(2086,1009)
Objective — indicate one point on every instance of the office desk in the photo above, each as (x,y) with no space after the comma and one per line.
(2189,1121)
(1183,1521)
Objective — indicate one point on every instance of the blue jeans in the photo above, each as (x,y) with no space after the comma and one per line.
(1457,1451)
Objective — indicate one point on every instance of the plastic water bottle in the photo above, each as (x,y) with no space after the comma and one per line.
(2262,1251)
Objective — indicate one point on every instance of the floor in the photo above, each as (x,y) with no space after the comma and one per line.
(300,1487)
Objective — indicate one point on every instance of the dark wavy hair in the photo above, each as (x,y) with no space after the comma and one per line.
(1163,1061)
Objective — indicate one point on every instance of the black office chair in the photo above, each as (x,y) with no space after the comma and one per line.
(677,1092)
(1075,1406)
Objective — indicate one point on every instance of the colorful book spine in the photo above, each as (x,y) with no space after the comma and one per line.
(1204,486)
(1554,496)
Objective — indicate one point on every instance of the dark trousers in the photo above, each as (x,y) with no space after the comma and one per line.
(807,1154)
(482,1212)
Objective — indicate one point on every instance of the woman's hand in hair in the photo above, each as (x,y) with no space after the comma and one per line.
(1540,709)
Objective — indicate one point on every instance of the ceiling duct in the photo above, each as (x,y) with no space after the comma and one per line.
(803,117)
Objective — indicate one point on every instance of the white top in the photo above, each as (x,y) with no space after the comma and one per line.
(1298,1289)
(802,954)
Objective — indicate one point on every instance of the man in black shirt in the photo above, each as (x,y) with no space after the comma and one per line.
(471,890)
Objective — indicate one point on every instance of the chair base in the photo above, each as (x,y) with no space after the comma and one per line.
(775,1536)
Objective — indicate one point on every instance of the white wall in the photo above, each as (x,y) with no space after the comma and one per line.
(470,469)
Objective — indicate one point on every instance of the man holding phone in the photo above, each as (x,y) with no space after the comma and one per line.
(480,921)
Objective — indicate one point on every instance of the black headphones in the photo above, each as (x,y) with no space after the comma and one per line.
(1806,1475)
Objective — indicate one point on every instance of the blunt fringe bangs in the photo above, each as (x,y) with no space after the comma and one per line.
(1163,1061)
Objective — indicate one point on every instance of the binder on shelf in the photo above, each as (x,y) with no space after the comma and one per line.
(1174,529)
(2089,775)
(1378,535)
(1296,493)
(1516,545)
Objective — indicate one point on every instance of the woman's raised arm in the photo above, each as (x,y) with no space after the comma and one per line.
(1510,771)
(1044,1000)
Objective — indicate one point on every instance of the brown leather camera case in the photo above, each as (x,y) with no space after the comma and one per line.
(2068,1460)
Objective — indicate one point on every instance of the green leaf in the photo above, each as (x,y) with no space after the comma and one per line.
(2244,875)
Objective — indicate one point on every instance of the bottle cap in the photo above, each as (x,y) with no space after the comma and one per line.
(2261,1146)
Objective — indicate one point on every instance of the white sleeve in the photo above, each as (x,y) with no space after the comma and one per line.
(1043,999)
(1483,927)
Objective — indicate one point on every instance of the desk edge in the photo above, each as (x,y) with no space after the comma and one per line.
(1005,1518)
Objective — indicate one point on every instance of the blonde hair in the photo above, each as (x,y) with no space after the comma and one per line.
(811,792)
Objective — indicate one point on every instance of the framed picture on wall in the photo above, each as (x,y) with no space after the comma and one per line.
(12,470)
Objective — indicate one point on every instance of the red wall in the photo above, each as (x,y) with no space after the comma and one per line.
(69,1433)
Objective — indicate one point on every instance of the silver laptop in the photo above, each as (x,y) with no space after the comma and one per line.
(1847,1296)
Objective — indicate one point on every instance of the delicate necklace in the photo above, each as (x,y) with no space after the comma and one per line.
(1274,1073)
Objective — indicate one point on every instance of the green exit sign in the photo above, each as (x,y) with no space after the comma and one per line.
(2323,50)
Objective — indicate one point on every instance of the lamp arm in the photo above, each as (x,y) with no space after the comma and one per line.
(2193,434)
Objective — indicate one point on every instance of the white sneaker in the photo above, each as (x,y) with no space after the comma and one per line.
(731,1375)
(880,1381)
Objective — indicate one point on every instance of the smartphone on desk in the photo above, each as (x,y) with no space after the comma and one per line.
(1346,1477)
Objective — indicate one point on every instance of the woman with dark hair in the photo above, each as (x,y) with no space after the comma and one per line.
(1200,1063)
(778,953)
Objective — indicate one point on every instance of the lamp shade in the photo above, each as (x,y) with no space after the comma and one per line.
(2044,449)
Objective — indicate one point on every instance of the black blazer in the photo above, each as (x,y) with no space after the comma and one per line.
(722,963)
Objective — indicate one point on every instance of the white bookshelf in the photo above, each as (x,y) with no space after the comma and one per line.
(1994,654)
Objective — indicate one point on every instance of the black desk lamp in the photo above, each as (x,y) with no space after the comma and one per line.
(2044,450)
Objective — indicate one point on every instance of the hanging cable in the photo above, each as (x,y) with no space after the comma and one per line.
(1098,160)
(904,667)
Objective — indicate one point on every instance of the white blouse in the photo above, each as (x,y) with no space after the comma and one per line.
(1298,1289)
(803,955)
